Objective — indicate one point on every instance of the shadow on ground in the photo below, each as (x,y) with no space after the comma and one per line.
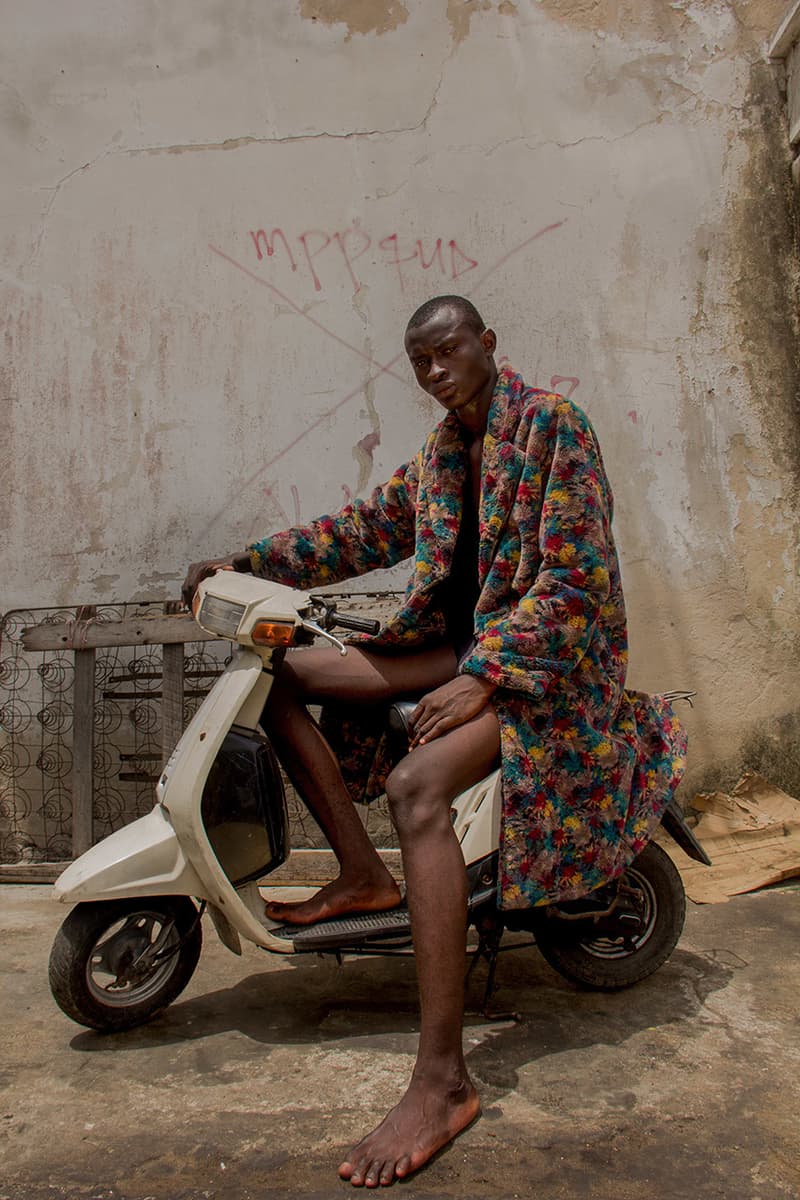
(373,1001)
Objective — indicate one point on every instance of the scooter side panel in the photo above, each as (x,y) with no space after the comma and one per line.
(142,859)
(230,699)
(477,818)
(242,688)
(146,857)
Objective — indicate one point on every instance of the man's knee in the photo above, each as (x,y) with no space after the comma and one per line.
(417,802)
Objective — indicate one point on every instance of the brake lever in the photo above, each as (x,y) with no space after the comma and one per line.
(317,630)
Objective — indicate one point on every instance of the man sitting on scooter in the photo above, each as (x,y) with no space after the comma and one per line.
(512,631)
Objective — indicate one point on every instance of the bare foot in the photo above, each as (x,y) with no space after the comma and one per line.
(427,1118)
(336,899)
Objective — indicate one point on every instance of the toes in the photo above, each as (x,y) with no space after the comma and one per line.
(345,1170)
(387,1174)
(403,1166)
(359,1172)
(373,1177)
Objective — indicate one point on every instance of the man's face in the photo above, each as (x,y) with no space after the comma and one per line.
(451,361)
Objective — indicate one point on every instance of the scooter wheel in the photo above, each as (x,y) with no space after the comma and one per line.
(116,963)
(631,944)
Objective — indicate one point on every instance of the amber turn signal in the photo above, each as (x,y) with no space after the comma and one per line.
(273,633)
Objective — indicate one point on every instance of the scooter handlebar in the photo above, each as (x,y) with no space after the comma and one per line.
(356,624)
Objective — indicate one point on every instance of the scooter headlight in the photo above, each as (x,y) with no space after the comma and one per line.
(220,616)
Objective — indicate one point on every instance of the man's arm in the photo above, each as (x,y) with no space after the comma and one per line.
(361,537)
(364,535)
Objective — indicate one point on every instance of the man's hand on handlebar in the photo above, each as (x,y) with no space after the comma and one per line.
(240,561)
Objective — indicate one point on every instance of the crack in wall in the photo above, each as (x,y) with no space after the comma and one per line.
(253,140)
(56,189)
(227,144)
(471,148)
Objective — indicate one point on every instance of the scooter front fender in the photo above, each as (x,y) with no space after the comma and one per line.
(142,859)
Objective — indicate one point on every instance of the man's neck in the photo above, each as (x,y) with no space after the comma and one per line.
(475,415)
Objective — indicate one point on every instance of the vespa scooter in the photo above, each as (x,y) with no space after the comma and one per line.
(220,827)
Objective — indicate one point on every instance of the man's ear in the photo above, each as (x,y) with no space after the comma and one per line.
(489,341)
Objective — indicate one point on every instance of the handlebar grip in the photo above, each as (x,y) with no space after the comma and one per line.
(357,624)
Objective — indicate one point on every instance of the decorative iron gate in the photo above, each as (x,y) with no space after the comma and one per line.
(91,703)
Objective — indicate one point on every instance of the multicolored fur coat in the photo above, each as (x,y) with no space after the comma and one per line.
(587,767)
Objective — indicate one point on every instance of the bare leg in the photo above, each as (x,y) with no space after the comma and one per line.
(441,1099)
(363,884)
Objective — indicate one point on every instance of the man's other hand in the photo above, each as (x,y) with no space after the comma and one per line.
(201,570)
(452,704)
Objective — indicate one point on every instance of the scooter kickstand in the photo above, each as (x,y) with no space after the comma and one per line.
(488,948)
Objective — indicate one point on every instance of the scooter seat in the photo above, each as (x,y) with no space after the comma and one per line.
(399,725)
(400,716)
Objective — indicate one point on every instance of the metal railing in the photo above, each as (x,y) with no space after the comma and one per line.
(92,702)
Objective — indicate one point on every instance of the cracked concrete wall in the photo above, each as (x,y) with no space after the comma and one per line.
(216,218)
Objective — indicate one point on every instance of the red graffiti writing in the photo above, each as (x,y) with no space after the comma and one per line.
(276,511)
(557,380)
(323,254)
(270,490)
(267,244)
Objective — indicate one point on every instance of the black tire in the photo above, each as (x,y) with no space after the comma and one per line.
(93,976)
(611,960)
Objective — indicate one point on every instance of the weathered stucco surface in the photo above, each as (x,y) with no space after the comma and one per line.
(216,218)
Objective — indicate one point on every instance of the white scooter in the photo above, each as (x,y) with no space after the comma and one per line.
(219,826)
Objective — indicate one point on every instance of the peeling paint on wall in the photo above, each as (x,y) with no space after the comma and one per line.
(765,271)
(640,17)
(360,16)
(460,14)
(747,22)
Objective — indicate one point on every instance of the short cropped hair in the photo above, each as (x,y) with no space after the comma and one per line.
(465,309)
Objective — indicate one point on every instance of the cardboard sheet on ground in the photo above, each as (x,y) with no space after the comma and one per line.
(752,837)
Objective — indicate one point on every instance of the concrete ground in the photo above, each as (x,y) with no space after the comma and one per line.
(265,1070)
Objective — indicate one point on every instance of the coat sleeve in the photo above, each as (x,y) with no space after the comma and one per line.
(362,536)
(544,636)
